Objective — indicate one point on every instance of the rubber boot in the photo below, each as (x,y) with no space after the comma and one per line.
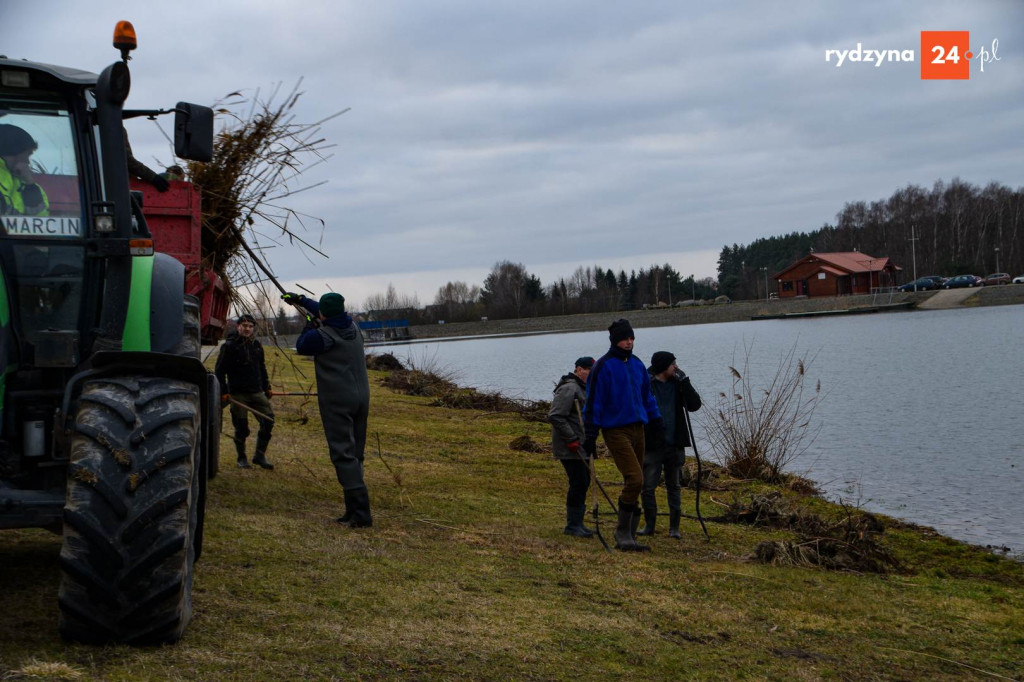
(650,516)
(574,522)
(259,458)
(243,463)
(624,539)
(357,509)
(673,524)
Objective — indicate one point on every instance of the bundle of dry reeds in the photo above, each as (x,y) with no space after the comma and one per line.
(259,155)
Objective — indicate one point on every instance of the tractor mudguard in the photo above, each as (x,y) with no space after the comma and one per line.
(153,321)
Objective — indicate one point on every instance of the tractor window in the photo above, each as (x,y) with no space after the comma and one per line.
(49,287)
(39,183)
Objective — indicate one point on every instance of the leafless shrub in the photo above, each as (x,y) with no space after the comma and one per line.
(756,432)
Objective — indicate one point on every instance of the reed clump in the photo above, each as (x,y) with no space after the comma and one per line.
(756,432)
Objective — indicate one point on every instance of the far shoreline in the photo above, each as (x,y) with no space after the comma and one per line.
(737,311)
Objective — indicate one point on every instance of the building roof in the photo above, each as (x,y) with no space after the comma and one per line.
(842,262)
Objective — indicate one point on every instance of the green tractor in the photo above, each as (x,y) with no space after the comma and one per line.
(109,422)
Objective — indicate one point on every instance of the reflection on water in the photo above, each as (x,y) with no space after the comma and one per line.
(922,418)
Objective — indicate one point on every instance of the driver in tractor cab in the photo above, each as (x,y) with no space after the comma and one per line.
(19,193)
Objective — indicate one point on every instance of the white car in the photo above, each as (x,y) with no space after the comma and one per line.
(1019,279)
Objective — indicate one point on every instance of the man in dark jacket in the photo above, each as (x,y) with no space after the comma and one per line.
(566,436)
(344,395)
(620,404)
(242,372)
(675,395)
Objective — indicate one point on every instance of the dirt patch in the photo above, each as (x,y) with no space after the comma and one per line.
(526,444)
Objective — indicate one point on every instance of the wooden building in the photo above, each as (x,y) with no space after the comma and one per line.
(835,274)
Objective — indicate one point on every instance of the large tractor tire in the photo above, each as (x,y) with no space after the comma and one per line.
(132,510)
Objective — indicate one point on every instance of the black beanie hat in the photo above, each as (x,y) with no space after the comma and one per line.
(246,317)
(660,361)
(586,362)
(14,140)
(619,330)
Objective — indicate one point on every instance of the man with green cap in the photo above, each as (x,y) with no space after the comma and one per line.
(336,345)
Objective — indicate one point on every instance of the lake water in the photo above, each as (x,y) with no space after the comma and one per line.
(922,419)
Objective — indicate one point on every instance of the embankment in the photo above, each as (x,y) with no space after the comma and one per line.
(730,312)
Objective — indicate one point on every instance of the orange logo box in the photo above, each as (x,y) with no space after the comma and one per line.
(945,55)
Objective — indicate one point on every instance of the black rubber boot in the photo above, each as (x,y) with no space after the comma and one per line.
(357,509)
(243,463)
(673,524)
(259,458)
(574,522)
(624,539)
(650,516)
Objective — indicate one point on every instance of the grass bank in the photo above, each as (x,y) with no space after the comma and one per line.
(467,575)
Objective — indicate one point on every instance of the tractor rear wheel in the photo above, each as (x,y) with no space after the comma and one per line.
(131,513)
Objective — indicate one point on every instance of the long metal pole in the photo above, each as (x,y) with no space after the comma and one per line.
(913,253)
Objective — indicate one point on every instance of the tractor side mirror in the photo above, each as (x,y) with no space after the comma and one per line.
(193,132)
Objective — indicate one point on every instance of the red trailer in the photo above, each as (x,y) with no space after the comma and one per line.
(175,219)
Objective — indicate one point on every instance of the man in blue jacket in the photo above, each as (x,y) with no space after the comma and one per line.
(343,394)
(619,404)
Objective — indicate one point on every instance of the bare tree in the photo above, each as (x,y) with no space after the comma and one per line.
(390,303)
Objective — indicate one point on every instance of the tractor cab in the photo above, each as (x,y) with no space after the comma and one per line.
(109,421)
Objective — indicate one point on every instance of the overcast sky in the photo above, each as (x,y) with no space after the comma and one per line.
(557,134)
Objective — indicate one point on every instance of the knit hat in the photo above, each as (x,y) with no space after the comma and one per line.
(245,317)
(660,361)
(619,330)
(14,140)
(586,362)
(332,304)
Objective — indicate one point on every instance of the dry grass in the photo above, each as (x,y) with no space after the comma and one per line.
(466,575)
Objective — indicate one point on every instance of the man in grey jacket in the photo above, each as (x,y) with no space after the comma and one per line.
(344,395)
(566,436)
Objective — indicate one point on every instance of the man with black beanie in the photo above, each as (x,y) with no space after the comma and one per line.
(619,405)
(675,396)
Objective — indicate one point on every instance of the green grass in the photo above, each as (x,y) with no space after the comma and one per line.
(467,575)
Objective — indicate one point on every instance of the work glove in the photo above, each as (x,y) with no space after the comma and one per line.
(269,393)
(289,297)
(573,446)
(161,183)
(225,398)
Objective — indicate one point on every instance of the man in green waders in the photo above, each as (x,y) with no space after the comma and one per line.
(344,395)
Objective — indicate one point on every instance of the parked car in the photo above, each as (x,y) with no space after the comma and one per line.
(962,281)
(997,278)
(1019,279)
(922,284)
